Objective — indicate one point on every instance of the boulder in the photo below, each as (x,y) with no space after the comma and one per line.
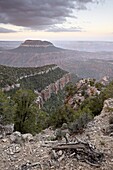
(19,138)
(6,129)
(16,137)
(27,137)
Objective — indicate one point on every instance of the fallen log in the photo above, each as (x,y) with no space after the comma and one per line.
(81,151)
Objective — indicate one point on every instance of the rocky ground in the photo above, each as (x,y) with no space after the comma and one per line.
(37,154)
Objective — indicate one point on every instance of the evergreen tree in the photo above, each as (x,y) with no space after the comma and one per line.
(25,115)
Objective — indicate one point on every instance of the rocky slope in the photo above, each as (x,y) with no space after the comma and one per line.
(37,153)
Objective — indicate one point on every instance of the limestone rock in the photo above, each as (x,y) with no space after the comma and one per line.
(108,104)
(27,137)
(15,137)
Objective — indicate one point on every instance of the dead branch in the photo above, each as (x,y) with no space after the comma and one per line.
(82,151)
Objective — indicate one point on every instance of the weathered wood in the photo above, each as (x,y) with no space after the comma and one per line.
(69,146)
(82,151)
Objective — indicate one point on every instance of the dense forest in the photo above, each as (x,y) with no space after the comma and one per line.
(39,82)
(11,75)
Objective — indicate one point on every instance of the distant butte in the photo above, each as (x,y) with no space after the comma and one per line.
(36,43)
(36,46)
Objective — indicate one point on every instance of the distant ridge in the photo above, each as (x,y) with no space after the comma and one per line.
(37,46)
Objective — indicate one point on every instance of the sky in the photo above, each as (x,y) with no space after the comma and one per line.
(81,20)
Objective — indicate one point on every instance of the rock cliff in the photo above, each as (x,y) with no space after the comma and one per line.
(46,93)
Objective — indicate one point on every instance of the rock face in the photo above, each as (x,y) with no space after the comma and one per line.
(45,94)
(55,87)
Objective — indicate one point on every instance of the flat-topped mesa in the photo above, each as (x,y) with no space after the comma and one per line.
(36,46)
(36,43)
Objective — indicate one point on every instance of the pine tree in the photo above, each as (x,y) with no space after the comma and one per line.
(25,115)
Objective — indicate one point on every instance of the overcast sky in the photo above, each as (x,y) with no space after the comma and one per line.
(56,19)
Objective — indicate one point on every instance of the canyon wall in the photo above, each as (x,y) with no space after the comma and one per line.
(45,94)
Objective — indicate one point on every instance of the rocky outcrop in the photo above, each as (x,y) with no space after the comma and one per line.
(81,90)
(105,80)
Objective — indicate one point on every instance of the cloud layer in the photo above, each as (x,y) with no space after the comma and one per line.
(64,29)
(4,30)
(39,14)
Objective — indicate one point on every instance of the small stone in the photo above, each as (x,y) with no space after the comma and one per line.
(80,168)
(61,158)
(111,134)
(4,140)
(16,166)
(60,153)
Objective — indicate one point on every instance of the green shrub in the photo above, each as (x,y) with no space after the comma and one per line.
(95,104)
(65,114)
(80,123)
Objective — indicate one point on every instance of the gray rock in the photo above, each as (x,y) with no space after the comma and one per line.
(27,137)
(16,137)
(13,149)
(6,129)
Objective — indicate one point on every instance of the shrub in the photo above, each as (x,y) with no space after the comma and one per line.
(95,104)
(80,123)
(63,115)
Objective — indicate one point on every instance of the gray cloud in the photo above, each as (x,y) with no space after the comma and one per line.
(4,30)
(39,14)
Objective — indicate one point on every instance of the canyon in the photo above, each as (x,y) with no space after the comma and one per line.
(36,53)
